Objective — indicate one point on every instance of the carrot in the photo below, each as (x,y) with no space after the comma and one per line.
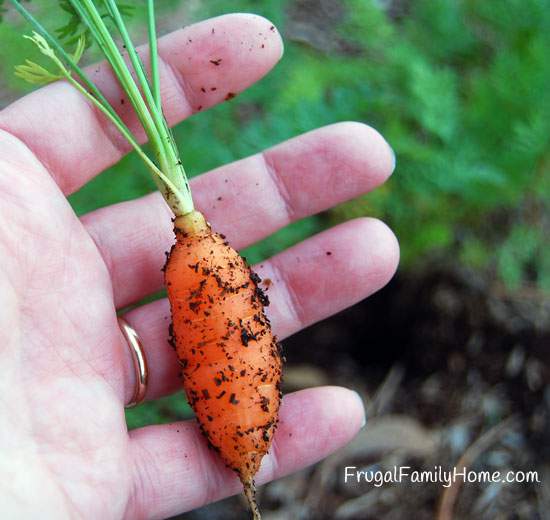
(230,358)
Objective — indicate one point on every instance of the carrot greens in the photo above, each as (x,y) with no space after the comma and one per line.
(102,21)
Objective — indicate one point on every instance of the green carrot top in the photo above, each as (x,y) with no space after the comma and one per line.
(92,20)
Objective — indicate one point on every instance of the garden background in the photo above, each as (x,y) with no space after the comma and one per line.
(457,348)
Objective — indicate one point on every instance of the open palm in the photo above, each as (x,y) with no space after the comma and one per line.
(66,369)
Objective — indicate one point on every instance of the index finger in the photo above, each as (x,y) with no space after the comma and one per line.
(200,66)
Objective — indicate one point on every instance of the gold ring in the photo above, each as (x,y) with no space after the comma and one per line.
(140,362)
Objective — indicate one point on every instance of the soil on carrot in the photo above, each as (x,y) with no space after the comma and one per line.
(451,368)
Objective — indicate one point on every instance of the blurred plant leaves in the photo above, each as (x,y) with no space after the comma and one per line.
(458,87)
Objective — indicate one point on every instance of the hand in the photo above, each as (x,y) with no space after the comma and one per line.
(66,370)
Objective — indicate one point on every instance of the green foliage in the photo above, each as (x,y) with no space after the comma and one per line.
(74,28)
(164,410)
(460,90)
(517,250)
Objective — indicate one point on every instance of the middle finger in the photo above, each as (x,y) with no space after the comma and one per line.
(246,200)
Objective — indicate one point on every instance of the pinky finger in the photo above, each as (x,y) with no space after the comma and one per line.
(174,471)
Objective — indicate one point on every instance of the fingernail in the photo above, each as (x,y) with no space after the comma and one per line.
(360,399)
(281,41)
(394,158)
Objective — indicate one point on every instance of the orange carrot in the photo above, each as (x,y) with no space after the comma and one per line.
(230,358)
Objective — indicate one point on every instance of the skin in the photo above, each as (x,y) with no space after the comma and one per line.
(66,369)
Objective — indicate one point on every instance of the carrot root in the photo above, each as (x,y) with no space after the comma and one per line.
(231,364)
(250,494)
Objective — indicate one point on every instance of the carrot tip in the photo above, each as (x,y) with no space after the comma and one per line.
(250,494)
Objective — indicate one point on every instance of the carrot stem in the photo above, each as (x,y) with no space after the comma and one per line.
(153,52)
(172,180)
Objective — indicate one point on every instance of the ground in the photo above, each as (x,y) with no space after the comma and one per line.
(451,369)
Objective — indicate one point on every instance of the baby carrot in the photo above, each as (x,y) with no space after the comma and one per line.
(230,358)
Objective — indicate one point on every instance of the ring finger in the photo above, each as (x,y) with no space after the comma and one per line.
(246,201)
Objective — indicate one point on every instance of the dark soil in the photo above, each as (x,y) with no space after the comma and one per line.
(441,358)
